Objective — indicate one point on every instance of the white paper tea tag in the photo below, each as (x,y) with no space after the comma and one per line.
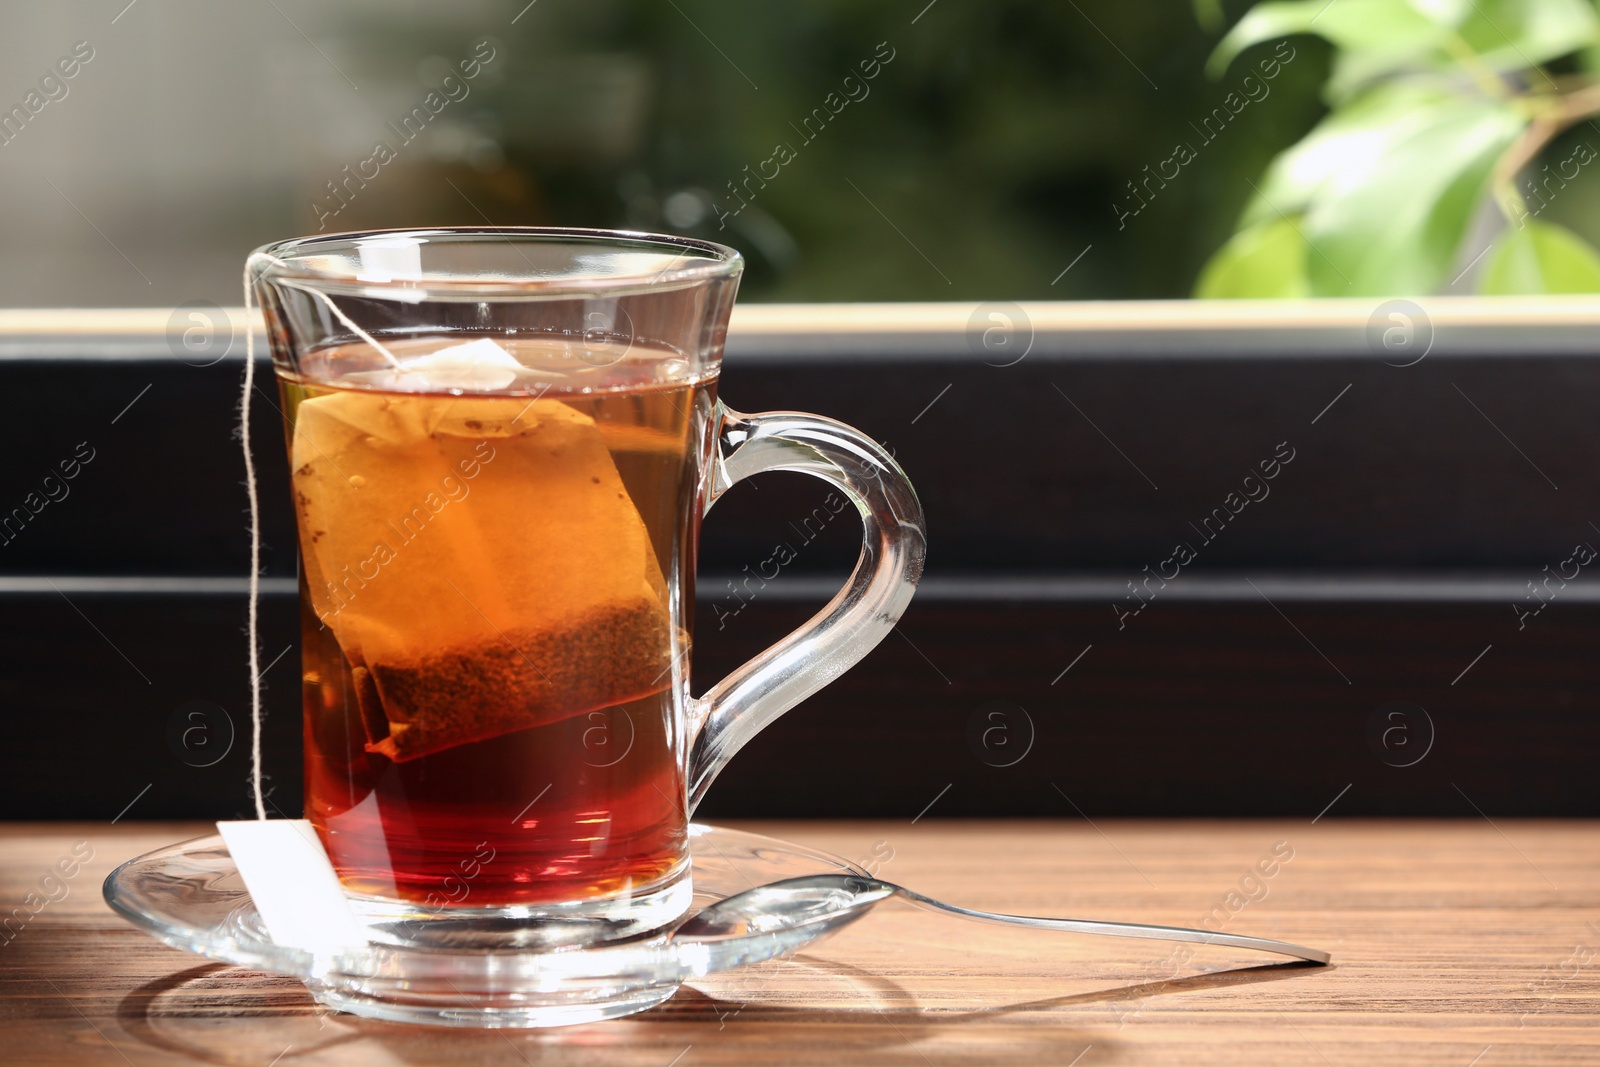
(293,884)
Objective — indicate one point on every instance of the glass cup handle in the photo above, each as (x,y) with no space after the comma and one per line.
(893,545)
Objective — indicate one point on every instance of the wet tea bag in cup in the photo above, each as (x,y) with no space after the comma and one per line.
(478,557)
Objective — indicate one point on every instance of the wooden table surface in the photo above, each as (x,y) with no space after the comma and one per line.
(1454,943)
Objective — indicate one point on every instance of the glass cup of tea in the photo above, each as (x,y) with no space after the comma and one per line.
(502,442)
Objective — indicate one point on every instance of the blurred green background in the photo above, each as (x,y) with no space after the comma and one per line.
(983,158)
(987,155)
(1000,144)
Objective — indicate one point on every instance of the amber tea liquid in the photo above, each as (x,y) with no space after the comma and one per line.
(493,656)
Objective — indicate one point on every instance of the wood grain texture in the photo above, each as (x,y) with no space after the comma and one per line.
(1454,943)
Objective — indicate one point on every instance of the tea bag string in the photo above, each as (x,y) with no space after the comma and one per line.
(255,534)
(253,626)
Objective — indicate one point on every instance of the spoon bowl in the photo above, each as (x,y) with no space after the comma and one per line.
(790,904)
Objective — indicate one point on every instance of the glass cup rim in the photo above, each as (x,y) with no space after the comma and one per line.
(713,261)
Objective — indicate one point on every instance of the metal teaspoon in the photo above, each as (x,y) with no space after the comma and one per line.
(830,901)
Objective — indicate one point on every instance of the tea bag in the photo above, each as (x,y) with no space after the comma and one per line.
(479,560)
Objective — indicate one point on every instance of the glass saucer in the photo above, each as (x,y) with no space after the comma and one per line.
(190,896)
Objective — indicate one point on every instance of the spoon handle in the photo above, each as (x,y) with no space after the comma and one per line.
(1115,929)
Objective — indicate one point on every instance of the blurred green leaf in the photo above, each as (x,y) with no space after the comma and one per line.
(1515,34)
(1428,95)
(1356,135)
(1348,24)
(1389,222)
(1356,69)
(1541,257)
(1444,12)
(1209,14)
(1380,37)
(1267,260)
